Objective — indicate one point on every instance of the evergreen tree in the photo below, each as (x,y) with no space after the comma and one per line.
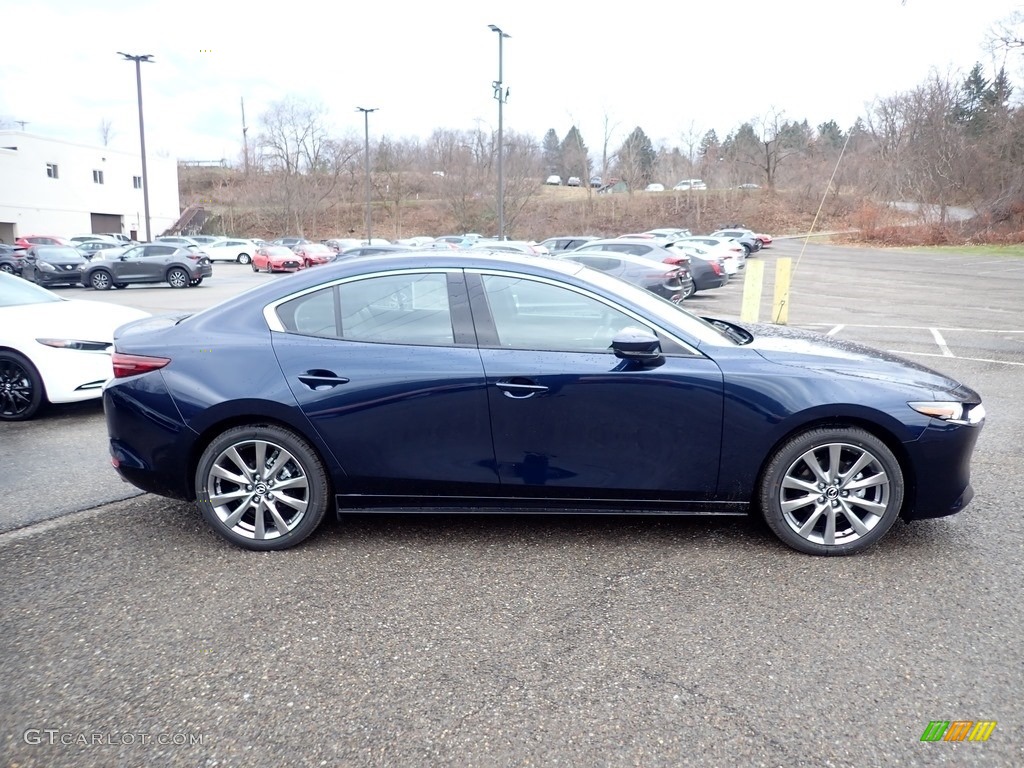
(551,151)
(575,155)
(636,159)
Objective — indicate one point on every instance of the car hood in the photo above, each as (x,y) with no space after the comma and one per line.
(793,346)
(72,319)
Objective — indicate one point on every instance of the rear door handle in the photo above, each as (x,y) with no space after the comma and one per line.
(317,379)
(519,389)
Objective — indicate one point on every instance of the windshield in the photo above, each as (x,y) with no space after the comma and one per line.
(15,292)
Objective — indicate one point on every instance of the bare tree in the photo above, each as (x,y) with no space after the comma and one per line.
(106,131)
(295,146)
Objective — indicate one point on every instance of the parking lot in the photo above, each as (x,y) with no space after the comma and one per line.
(134,636)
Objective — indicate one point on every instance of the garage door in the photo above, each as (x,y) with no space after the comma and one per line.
(106,222)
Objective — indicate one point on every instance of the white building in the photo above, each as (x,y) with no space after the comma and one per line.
(52,187)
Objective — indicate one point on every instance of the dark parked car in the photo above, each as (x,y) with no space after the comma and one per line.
(670,281)
(53,265)
(89,248)
(12,258)
(706,276)
(505,383)
(149,263)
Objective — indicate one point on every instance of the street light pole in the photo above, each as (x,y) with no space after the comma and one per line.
(501,94)
(366,120)
(142,134)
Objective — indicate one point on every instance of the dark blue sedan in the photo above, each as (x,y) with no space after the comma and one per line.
(440,380)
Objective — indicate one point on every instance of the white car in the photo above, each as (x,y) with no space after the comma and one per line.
(655,187)
(729,251)
(728,262)
(230,250)
(52,349)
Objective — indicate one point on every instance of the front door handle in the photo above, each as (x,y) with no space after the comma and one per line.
(318,379)
(519,388)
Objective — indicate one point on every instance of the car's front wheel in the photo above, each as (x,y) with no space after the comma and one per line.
(244,258)
(254,267)
(262,487)
(178,278)
(7,269)
(101,280)
(832,491)
(21,388)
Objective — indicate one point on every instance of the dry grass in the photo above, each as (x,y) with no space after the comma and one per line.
(552,211)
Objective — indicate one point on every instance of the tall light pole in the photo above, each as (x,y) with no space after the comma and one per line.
(501,94)
(142,134)
(366,120)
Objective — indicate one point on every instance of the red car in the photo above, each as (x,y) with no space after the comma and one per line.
(314,253)
(29,240)
(766,240)
(276,258)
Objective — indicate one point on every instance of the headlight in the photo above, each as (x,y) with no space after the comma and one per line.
(45,266)
(82,346)
(953,412)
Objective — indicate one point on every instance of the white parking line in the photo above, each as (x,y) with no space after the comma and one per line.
(946,352)
(914,328)
(836,329)
(971,359)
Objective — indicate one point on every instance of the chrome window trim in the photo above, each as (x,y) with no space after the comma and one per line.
(270,310)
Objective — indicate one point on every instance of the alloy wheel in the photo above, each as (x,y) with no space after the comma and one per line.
(834,493)
(258,490)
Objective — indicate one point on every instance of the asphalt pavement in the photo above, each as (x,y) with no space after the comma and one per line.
(134,636)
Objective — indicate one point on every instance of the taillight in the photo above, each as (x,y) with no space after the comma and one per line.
(133,365)
(716,266)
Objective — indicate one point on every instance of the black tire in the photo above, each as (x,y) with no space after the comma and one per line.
(101,280)
(178,277)
(120,285)
(244,258)
(757,246)
(746,250)
(21,387)
(798,512)
(692,289)
(254,267)
(240,519)
(194,283)
(7,269)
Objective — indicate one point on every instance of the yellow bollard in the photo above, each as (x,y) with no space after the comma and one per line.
(780,307)
(753,281)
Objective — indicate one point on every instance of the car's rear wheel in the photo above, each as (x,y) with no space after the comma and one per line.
(101,280)
(244,258)
(178,278)
(262,487)
(7,269)
(832,491)
(21,388)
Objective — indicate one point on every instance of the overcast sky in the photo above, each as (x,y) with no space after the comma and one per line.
(673,68)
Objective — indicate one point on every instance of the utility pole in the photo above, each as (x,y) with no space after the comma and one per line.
(366,119)
(501,94)
(245,138)
(142,135)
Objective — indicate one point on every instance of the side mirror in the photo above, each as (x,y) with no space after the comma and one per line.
(638,345)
